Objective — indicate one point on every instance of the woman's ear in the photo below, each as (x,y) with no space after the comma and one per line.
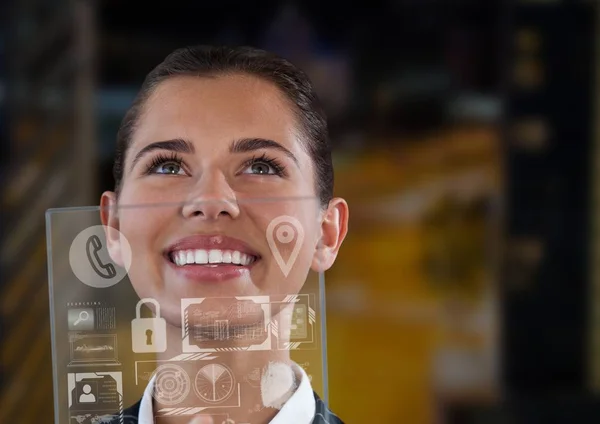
(109,215)
(334,228)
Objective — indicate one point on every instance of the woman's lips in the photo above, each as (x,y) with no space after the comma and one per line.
(211,258)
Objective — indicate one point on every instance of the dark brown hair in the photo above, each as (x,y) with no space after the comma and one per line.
(210,61)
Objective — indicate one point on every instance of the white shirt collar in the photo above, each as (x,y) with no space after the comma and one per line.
(299,409)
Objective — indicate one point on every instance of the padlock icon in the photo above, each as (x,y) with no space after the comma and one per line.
(148,335)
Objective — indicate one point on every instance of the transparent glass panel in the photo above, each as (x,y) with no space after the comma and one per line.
(211,308)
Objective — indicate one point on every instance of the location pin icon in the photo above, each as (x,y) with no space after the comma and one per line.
(282,231)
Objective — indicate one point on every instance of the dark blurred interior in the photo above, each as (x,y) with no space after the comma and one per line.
(420,93)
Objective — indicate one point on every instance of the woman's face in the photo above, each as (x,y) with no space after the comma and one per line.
(204,148)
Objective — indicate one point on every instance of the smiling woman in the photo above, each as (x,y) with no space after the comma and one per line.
(213,130)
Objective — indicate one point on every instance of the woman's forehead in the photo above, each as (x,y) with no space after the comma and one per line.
(239,96)
(232,106)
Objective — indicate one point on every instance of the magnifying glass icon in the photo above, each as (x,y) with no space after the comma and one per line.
(83,316)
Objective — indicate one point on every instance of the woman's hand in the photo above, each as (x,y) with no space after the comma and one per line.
(202,419)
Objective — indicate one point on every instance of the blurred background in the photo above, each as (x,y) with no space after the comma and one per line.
(466,144)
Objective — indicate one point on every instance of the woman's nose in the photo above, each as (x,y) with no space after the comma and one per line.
(212,198)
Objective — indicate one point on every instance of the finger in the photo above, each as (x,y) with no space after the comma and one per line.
(202,419)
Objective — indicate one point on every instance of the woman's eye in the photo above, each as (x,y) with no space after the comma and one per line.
(260,168)
(169,168)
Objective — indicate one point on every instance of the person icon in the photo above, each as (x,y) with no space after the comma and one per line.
(87,396)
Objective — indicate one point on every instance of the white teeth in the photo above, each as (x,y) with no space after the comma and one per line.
(213,256)
(201,257)
(227,257)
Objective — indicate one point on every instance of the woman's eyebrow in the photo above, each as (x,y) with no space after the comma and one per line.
(175,145)
(244,145)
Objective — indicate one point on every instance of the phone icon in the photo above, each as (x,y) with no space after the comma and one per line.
(93,246)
